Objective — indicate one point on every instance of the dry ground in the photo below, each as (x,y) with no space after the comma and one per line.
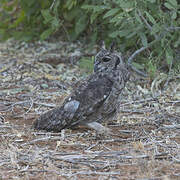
(146,141)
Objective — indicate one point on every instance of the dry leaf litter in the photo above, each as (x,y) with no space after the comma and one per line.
(36,77)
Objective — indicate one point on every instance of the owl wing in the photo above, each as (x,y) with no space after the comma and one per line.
(86,99)
(91,95)
(119,82)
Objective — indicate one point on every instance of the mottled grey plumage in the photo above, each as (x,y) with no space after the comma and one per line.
(94,100)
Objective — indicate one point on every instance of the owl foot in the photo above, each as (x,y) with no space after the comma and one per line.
(100,129)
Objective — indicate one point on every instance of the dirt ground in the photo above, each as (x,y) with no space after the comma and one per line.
(37,77)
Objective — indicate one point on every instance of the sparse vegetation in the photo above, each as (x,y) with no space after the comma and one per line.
(146,140)
(133,24)
(36,76)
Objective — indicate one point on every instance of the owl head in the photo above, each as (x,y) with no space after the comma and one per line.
(107,60)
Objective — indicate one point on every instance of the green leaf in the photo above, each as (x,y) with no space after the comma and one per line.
(55,8)
(174,15)
(168,5)
(55,23)
(143,39)
(95,8)
(124,33)
(169,56)
(81,24)
(155,29)
(151,68)
(93,17)
(100,8)
(138,18)
(47,16)
(150,17)
(111,12)
(72,14)
(20,19)
(152,1)
(177,43)
(86,63)
(3,34)
(137,65)
(117,18)
(133,33)
(127,5)
(114,34)
(94,38)
(69,4)
(173,2)
(87,7)
(46,33)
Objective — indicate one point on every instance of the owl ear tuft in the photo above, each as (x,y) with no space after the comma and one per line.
(102,45)
(112,47)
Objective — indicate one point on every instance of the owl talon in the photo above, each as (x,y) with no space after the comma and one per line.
(100,129)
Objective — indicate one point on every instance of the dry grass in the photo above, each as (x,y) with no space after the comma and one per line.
(145,144)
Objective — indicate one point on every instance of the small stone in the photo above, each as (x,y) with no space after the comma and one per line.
(44,86)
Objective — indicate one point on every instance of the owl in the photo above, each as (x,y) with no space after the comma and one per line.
(94,100)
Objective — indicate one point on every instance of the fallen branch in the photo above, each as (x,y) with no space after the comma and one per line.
(122,140)
(143,48)
(146,23)
(157,38)
(96,173)
(92,157)
(174,126)
(45,104)
(40,139)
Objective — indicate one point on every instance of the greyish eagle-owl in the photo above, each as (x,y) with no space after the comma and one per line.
(95,100)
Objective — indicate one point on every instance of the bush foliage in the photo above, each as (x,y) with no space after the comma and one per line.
(132,24)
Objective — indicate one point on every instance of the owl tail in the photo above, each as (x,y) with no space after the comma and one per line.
(50,121)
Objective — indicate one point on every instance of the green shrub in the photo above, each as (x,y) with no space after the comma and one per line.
(136,24)
(152,24)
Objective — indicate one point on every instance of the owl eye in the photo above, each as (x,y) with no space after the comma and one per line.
(106,59)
